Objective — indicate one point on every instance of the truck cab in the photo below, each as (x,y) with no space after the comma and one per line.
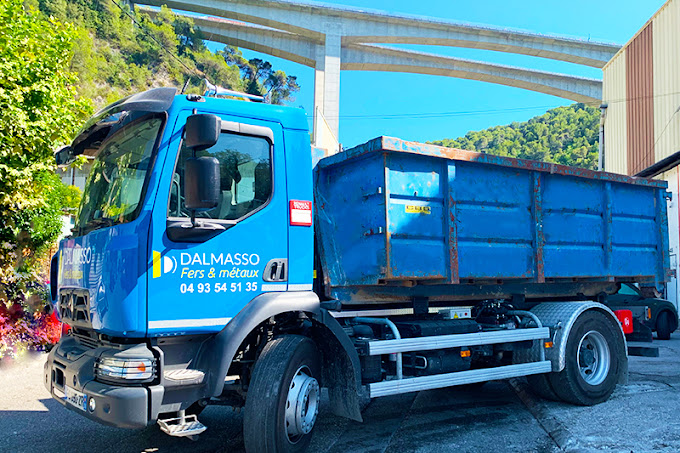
(145,280)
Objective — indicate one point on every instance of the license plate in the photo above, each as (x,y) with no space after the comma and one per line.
(75,398)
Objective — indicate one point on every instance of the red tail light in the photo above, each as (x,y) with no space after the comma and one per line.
(625,317)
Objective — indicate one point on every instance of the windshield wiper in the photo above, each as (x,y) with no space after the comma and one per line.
(94,224)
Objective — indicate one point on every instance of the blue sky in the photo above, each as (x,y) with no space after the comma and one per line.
(366,97)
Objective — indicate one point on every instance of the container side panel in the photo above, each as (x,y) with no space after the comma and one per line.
(414,177)
(493,221)
(630,200)
(573,227)
(351,221)
(417,242)
(633,231)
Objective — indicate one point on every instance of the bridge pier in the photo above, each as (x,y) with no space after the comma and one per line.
(331,84)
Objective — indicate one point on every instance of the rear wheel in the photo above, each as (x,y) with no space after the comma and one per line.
(664,326)
(283,396)
(593,364)
(539,384)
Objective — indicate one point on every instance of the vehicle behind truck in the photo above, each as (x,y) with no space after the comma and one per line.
(213,262)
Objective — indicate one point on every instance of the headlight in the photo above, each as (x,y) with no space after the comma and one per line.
(116,369)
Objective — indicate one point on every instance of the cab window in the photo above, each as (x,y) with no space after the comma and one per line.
(245,177)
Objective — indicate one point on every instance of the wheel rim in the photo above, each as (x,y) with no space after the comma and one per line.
(302,404)
(593,358)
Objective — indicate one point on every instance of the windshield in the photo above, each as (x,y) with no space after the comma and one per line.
(115,185)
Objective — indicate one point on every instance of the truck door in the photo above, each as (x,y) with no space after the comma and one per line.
(197,282)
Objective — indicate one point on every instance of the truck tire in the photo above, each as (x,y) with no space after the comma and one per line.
(539,384)
(664,326)
(593,361)
(283,397)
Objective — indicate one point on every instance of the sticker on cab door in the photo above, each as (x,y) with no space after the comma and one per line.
(300,213)
(210,272)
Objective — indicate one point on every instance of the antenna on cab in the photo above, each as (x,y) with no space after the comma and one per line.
(214,90)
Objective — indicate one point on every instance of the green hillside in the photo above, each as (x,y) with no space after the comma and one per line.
(565,135)
(118,51)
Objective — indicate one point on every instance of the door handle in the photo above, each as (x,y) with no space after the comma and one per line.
(276,270)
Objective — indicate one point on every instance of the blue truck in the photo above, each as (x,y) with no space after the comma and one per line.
(214,261)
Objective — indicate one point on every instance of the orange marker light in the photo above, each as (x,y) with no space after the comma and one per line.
(465,353)
(548,344)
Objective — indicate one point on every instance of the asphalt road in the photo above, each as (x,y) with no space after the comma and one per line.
(641,416)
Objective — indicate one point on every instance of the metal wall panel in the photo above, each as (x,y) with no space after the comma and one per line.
(640,96)
(666,45)
(615,130)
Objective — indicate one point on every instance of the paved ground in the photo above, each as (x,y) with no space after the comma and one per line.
(641,416)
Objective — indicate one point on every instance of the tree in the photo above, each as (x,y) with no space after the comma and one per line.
(565,135)
(261,79)
(39,109)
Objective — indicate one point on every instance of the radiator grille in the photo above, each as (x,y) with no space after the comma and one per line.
(74,307)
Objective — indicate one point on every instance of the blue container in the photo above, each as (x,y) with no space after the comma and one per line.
(398,220)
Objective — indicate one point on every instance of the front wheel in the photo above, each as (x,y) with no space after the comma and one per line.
(283,396)
(594,361)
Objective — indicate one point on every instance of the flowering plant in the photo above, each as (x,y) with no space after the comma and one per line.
(25,324)
(22,331)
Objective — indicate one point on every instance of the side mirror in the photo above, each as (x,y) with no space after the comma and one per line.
(202,131)
(64,156)
(201,183)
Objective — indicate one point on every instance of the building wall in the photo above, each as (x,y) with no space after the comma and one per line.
(641,86)
(640,101)
(76,176)
(666,75)
(615,126)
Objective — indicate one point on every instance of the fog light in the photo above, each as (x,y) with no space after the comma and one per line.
(92,405)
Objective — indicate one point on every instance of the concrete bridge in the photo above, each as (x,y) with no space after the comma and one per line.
(331,39)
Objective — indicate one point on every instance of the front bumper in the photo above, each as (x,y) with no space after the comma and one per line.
(71,364)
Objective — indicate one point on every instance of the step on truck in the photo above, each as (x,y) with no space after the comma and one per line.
(214,261)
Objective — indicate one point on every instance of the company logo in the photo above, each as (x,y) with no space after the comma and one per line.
(77,256)
(163,264)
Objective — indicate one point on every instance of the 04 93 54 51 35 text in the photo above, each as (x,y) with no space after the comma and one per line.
(219,287)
